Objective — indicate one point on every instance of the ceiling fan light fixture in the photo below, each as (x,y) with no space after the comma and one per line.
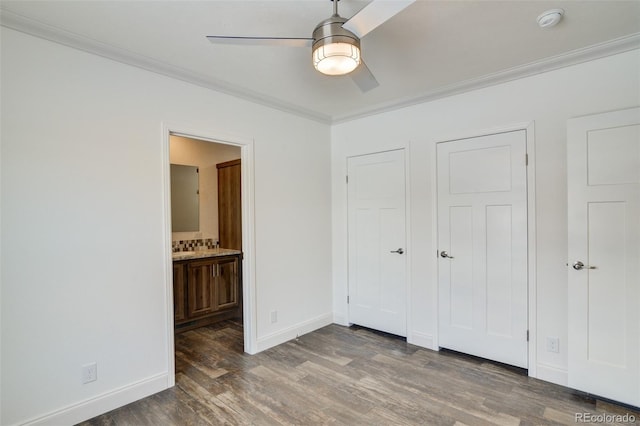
(335,50)
(337,58)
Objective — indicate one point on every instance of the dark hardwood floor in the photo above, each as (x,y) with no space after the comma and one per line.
(347,376)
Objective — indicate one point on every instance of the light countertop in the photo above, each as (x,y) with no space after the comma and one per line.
(201,254)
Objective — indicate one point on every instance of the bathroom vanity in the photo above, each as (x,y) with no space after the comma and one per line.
(207,287)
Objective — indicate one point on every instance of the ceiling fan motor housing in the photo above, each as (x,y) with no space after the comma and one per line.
(335,50)
(331,28)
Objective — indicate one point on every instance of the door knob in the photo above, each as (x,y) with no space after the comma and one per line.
(445,255)
(579,266)
(399,251)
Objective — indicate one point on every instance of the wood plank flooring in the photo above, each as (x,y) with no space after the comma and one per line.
(347,376)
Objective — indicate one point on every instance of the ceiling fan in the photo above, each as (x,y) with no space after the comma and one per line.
(335,41)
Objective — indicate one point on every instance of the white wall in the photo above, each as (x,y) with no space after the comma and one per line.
(82,252)
(205,155)
(83,247)
(548,99)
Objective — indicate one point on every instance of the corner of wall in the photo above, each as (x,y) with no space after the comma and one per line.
(294,331)
(553,374)
(340,319)
(423,340)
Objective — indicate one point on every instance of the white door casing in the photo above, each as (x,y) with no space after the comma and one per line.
(482,227)
(603,172)
(377,238)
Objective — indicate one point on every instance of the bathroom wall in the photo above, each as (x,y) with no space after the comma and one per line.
(205,155)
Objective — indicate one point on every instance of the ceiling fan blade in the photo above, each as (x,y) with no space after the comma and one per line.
(262,41)
(363,77)
(374,14)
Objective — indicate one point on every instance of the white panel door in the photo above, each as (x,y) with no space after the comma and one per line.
(377,258)
(603,164)
(482,240)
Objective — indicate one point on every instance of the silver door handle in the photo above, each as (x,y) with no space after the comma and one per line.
(579,266)
(445,255)
(399,251)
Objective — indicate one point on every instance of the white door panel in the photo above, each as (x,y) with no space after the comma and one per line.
(482,225)
(499,262)
(460,303)
(377,276)
(604,234)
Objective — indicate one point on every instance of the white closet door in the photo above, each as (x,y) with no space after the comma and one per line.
(482,240)
(603,159)
(377,258)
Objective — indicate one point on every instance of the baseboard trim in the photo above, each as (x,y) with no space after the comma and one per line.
(274,339)
(553,374)
(340,320)
(423,340)
(100,404)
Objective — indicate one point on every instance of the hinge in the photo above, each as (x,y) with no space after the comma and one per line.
(526,159)
(527,335)
(347,299)
(347,178)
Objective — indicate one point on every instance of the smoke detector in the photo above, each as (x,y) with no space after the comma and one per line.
(550,18)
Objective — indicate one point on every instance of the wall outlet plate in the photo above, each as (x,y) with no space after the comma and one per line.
(553,344)
(89,372)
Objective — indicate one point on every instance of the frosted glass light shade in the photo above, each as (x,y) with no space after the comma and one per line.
(336,58)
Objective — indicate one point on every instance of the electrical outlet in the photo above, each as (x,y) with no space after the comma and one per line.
(274,317)
(553,344)
(89,372)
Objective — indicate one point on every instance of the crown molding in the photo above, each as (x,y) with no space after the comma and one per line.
(39,29)
(574,57)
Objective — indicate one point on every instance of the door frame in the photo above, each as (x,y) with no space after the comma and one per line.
(529,128)
(246,145)
(407,229)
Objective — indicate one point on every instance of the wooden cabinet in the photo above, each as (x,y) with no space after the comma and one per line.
(179,300)
(201,286)
(207,290)
(229,205)
(226,295)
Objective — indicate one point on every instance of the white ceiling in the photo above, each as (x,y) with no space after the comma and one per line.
(431,49)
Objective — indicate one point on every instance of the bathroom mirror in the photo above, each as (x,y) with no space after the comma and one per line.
(185,206)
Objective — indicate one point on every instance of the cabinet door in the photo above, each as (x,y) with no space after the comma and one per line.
(227,283)
(178,293)
(229,205)
(201,288)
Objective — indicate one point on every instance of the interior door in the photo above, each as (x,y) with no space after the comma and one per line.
(377,257)
(482,239)
(603,164)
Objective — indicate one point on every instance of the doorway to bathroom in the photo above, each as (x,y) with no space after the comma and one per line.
(208,203)
(206,225)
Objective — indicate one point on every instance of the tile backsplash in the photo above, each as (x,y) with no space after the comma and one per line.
(192,245)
